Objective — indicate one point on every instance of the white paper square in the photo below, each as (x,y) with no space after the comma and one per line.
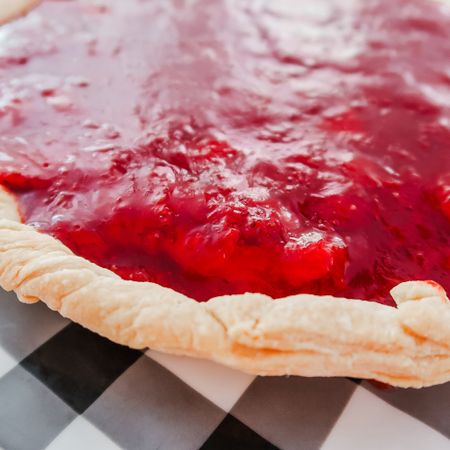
(82,434)
(7,362)
(219,384)
(370,423)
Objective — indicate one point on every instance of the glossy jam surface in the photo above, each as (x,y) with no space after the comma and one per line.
(225,146)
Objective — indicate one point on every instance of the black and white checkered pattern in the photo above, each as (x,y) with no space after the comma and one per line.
(63,387)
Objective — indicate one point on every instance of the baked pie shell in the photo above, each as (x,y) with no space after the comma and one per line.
(307,335)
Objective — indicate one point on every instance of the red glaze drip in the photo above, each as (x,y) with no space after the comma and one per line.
(219,147)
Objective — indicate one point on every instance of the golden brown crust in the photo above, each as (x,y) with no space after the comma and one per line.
(303,334)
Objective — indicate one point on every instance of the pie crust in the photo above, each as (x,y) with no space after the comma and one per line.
(309,335)
(12,9)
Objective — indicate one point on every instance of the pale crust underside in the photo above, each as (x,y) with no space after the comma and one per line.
(303,334)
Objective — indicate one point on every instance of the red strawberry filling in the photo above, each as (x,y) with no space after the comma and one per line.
(225,147)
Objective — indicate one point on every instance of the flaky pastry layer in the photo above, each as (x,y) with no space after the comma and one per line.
(307,335)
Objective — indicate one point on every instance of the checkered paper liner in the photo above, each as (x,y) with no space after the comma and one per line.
(63,387)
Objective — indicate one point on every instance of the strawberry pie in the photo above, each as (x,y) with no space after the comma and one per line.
(266,184)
